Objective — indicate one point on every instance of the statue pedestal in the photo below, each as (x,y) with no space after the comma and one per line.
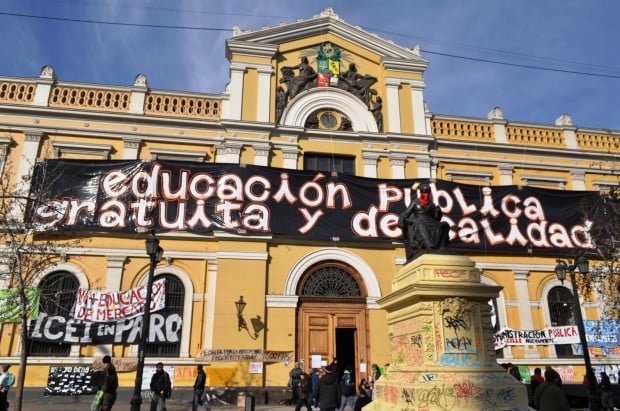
(441,342)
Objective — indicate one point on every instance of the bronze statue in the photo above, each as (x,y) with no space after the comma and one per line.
(357,84)
(422,227)
(304,81)
(377,113)
(281,101)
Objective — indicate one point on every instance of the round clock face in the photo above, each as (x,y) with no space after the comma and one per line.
(328,120)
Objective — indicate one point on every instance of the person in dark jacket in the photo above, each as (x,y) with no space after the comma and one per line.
(607,395)
(364,395)
(110,384)
(160,388)
(327,391)
(303,392)
(549,396)
(199,387)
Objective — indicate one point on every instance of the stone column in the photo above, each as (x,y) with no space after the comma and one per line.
(525,308)
(441,341)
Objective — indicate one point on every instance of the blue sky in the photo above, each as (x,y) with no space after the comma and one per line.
(573,35)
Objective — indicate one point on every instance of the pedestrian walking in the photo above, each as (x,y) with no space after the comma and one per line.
(607,395)
(293,380)
(347,389)
(110,384)
(160,388)
(6,381)
(365,395)
(328,390)
(304,387)
(199,387)
(549,396)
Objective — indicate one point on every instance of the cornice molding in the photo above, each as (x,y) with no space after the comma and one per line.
(325,23)
(249,48)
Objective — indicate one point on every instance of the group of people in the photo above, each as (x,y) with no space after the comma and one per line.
(547,394)
(161,387)
(326,389)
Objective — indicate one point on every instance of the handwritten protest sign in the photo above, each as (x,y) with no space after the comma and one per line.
(101,306)
(244,355)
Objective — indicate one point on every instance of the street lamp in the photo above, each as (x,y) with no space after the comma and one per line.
(581,264)
(155,253)
(240,304)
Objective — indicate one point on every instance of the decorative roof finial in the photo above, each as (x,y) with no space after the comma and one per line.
(564,120)
(236,31)
(416,50)
(496,114)
(47,72)
(140,81)
(328,12)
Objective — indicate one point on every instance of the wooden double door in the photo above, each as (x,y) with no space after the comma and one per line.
(333,329)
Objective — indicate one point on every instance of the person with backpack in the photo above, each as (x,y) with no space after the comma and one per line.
(161,388)
(347,389)
(6,381)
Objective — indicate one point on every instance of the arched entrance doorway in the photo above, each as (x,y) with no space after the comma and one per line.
(332,316)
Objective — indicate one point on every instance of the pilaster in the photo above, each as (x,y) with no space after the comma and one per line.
(264,92)
(424,167)
(235,90)
(578,180)
(393,104)
(131,147)
(525,309)
(505,174)
(32,141)
(417,104)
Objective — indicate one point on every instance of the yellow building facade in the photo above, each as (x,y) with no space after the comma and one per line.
(382,131)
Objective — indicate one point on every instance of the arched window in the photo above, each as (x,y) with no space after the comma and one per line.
(175,300)
(330,280)
(561,313)
(58,290)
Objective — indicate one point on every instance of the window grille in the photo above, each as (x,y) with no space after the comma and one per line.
(175,300)
(330,281)
(561,312)
(58,291)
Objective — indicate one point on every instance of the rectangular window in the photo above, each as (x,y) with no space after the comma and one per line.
(329,163)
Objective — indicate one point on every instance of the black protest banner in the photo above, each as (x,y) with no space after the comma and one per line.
(67,330)
(130,196)
(70,381)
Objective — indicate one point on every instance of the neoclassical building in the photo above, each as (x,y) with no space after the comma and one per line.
(319,95)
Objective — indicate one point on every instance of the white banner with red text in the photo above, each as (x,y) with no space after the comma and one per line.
(566,334)
(102,306)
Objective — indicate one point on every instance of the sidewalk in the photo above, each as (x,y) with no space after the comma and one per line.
(34,401)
